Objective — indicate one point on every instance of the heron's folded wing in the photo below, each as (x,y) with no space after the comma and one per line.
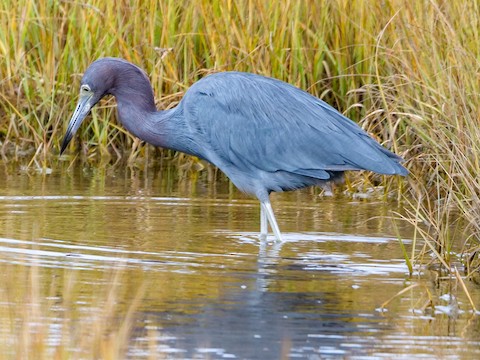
(253,121)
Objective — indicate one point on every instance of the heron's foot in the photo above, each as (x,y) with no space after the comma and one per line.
(264,239)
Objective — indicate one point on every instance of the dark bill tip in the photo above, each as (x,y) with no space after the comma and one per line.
(65,142)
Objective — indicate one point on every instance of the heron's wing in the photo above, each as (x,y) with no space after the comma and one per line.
(253,121)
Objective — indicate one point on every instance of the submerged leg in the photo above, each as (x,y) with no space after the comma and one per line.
(263,223)
(267,210)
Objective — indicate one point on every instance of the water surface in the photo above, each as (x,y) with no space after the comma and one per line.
(181,263)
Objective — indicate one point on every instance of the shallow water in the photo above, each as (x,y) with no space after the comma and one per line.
(194,281)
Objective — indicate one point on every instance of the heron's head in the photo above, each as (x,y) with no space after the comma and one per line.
(104,76)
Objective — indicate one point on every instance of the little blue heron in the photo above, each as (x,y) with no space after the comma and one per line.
(264,134)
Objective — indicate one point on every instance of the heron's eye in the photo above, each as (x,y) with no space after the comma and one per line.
(85,89)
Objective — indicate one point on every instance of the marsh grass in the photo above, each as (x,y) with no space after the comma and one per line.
(407,72)
(41,323)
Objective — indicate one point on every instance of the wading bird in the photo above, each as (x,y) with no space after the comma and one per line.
(263,133)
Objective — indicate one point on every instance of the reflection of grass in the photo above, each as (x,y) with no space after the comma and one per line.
(407,72)
(39,323)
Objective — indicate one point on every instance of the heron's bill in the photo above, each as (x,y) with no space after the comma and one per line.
(81,111)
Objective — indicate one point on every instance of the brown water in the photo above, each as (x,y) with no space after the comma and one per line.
(181,263)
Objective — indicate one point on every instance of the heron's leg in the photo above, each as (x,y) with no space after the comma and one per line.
(267,208)
(263,223)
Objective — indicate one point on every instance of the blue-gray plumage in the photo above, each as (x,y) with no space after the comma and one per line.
(264,134)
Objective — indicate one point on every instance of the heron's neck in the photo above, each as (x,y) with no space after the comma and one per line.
(133,117)
(166,129)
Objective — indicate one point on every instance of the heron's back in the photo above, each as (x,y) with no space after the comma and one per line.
(253,126)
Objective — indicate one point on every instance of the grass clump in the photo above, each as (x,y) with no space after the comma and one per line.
(51,322)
